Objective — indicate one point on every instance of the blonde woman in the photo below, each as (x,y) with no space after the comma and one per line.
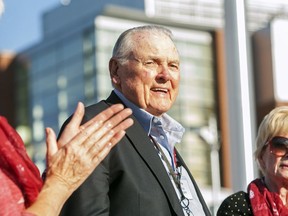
(267,195)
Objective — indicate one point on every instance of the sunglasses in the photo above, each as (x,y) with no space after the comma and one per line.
(278,146)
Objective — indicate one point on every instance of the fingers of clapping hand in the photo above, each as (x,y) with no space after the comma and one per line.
(100,154)
(109,137)
(72,128)
(51,144)
(78,158)
(97,134)
(106,114)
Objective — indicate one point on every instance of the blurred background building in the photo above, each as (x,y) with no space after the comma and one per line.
(14,93)
(70,64)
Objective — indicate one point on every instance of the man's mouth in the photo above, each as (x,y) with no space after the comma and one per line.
(163,90)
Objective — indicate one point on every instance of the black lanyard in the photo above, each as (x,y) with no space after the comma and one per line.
(176,178)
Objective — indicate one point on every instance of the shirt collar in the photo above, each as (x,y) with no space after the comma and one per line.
(170,126)
(141,115)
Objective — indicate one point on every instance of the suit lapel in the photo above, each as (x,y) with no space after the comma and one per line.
(182,163)
(145,148)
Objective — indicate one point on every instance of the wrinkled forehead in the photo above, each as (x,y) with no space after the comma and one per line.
(154,41)
(150,35)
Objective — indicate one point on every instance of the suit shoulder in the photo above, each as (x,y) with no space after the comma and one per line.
(96,108)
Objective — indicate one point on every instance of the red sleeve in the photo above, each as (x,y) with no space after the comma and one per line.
(16,164)
(11,198)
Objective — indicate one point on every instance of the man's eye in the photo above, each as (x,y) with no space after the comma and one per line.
(174,66)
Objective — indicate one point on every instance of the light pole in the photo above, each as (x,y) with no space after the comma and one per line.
(210,135)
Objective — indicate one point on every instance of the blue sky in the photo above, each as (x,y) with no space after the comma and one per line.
(20,24)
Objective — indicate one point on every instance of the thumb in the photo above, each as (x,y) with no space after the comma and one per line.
(51,143)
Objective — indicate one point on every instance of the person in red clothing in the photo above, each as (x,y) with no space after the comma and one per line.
(70,160)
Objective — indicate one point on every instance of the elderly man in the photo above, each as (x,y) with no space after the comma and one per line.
(144,174)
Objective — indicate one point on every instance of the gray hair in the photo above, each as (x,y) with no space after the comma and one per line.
(124,45)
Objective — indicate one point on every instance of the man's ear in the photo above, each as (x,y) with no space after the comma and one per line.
(113,68)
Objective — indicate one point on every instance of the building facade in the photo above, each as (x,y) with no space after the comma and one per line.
(14,93)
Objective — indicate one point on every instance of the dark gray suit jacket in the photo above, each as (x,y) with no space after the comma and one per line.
(131,180)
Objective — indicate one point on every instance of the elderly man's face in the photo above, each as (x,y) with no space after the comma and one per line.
(150,78)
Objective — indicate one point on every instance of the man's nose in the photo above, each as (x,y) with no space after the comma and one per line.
(163,73)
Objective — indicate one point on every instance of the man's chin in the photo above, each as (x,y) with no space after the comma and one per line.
(158,111)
